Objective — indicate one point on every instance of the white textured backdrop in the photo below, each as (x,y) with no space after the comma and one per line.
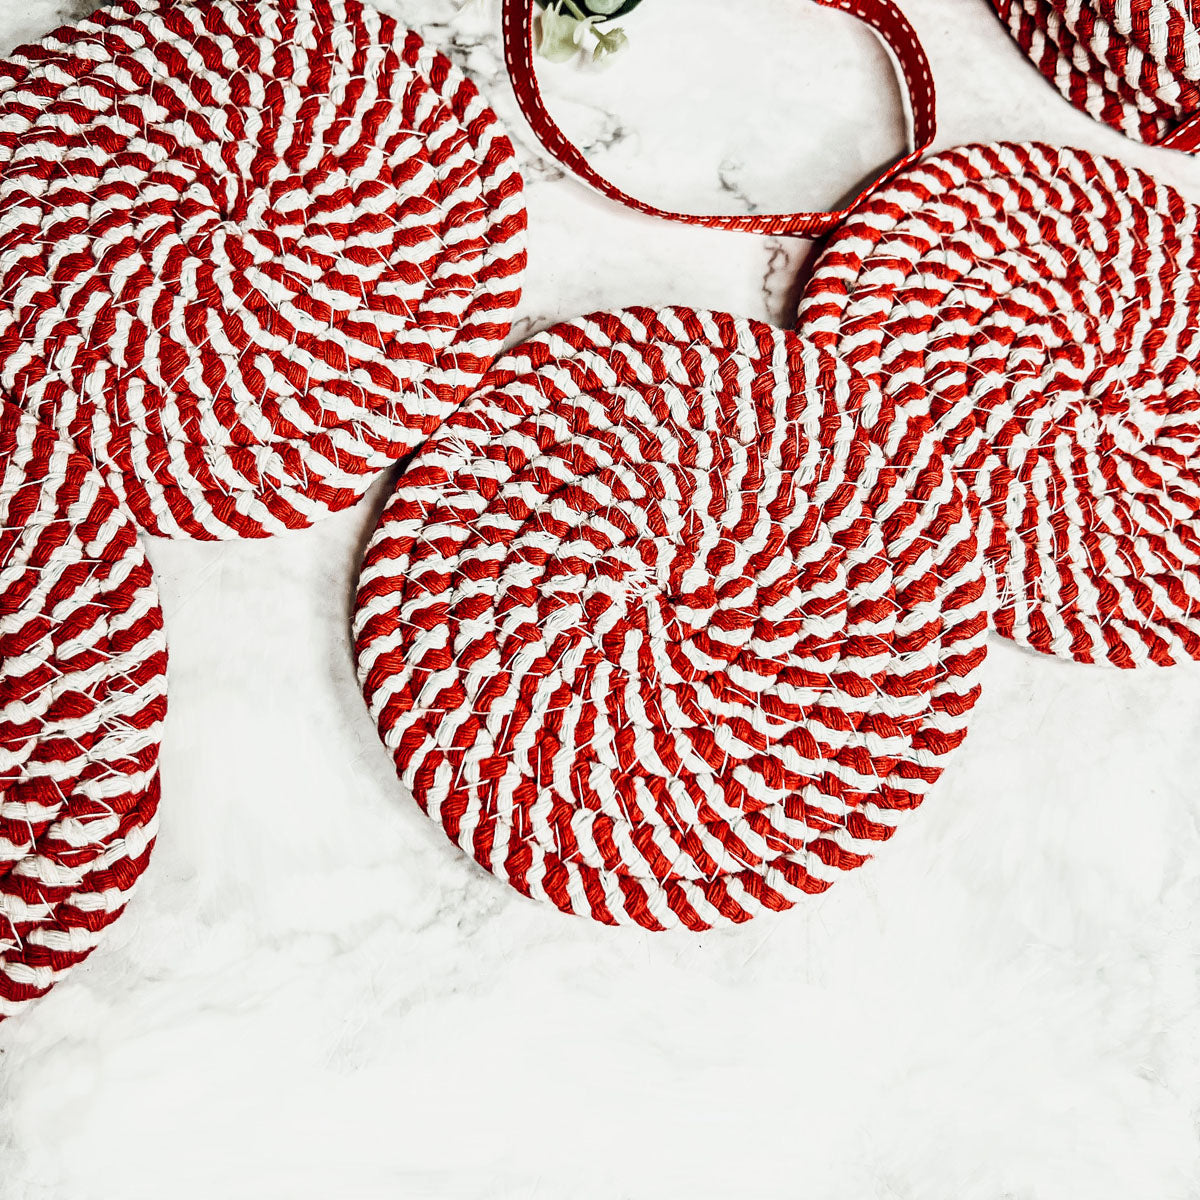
(315,996)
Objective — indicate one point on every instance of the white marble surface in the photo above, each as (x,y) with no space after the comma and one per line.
(315,996)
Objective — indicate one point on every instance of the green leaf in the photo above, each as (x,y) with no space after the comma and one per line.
(603,8)
(608,42)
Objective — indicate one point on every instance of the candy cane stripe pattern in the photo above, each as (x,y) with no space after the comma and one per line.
(82,700)
(251,252)
(1133,64)
(1042,306)
(659,632)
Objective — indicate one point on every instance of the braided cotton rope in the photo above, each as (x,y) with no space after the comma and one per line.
(82,699)
(251,251)
(1134,64)
(1043,306)
(658,632)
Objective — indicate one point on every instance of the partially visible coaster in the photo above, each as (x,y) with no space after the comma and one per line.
(658,633)
(82,699)
(1043,307)
(1134,64)
(251,251)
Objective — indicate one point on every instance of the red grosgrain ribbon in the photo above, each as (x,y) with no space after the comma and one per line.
(881,15)
(1185,137)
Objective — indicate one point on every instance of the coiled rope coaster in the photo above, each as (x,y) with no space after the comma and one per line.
(251,251)
(1043,307)
(1134,64)
(660,632)
(82,699)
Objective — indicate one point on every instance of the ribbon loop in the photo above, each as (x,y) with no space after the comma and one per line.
(881,15)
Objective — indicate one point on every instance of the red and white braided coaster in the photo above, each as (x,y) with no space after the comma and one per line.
(1043,307)
(1134,64)
(82,698)
(658,633)
(251,251)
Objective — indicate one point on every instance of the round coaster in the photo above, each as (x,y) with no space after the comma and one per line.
(251,252)
(1134,64)
(82,698)
(1041,305)
(657,632)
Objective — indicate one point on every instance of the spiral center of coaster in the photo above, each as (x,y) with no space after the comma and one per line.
(710,583)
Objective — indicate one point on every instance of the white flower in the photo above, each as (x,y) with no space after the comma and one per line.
(559,35)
